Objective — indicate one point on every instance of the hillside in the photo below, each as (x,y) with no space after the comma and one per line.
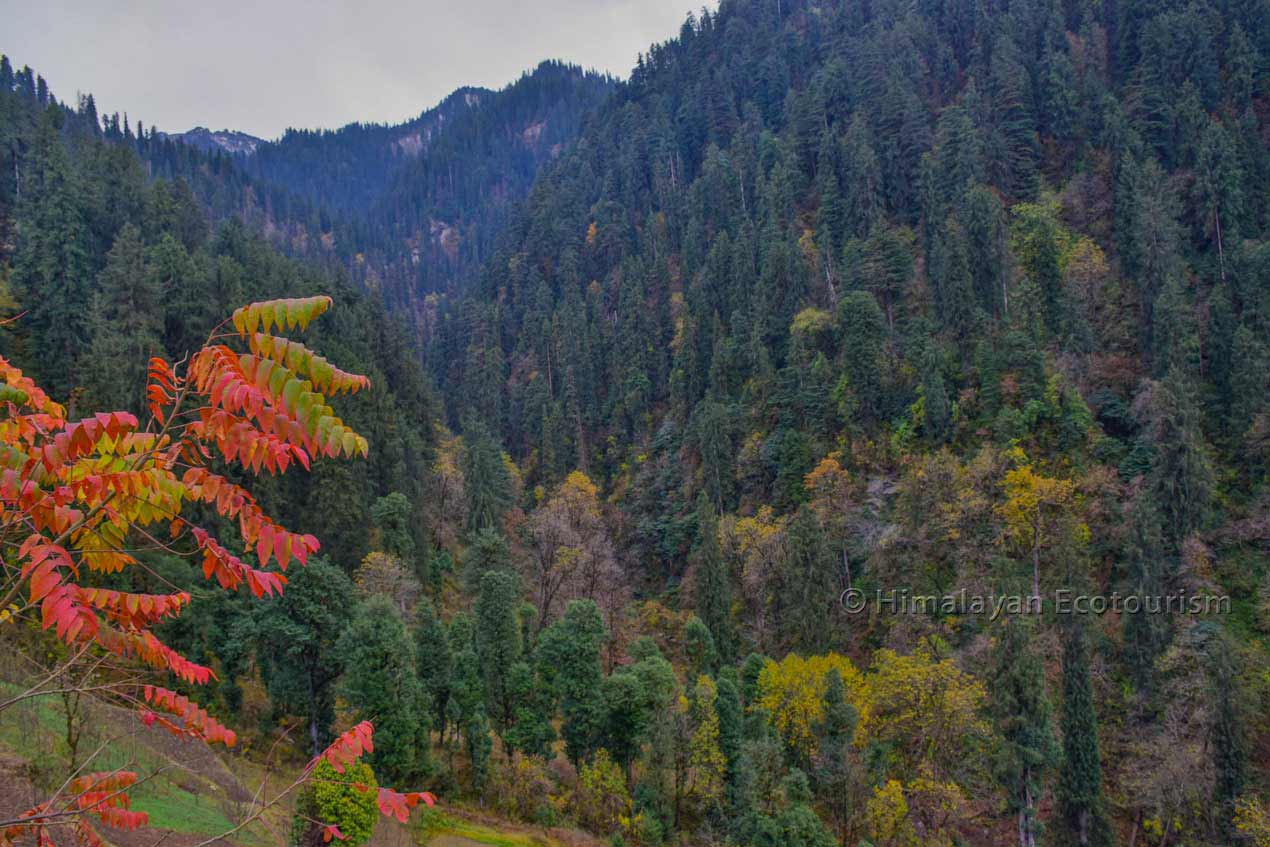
(852,428)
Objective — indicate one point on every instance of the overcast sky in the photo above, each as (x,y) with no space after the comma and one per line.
(264,66)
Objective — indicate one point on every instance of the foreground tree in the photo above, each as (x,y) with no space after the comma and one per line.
(79,499)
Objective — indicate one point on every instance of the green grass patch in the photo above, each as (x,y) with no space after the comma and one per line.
(433,823)
(174,808)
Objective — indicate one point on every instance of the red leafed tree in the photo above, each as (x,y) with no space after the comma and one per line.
(78,498)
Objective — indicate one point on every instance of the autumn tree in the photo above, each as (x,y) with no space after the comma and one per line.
(1033,510)
(77,495)
(571,554)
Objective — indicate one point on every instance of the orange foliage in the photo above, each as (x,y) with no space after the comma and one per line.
(76,495)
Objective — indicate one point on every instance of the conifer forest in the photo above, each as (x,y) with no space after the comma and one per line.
(848,427)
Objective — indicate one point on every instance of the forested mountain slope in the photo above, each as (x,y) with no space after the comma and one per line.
(412,208)
(829,306)
(922,297)
(102,266)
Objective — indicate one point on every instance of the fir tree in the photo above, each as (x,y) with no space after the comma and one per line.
(712,587)
(1022,712)
(1082,809)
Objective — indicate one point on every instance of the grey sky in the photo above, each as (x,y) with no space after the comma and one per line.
(261,67)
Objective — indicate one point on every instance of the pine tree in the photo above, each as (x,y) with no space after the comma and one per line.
(435,664)
(488,551)
(835,768)
(712,585)
(478,745)
(498,642)
(488,484)
(1180,480)
(126,325)
(731,725)
(392,520)
(1146,632)
(1082,812)
(809,584)
(703,656)
(569,661)
(1022,712)
(51,268)
(862,184)
(863,333)
(303,627)
(380,681)
(531,732)
(1230,753)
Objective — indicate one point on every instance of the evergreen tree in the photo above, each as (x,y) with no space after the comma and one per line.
(435,662)
(303,628)
(51,268)
(1022,712)
(1180,480)
(498,642)
(1146,628)
(1082,809)
(532,731)
(392,519)
(863,330)
(712,587)
(126,325)
(569,661)
(1230,754)
(835,766)
(380,682)
(488,551)
(489,492)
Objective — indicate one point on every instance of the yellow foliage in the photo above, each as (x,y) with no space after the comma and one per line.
(792,691)
(1029,497)
(886,816)
(706,762)
(810,324)
(602,800)
(926,706)
(921,812)
(578,485)
(1253,820)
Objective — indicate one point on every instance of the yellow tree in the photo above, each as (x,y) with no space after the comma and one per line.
(833,502)
(921,813)
(757,546)
(1033,506)
(792,692)
(706,763)
(927,709)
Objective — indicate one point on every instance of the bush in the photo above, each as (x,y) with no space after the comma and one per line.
(332,798)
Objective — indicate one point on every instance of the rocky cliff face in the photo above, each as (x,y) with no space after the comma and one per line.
(231,141)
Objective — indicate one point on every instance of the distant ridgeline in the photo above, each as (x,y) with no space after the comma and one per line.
(407,209)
